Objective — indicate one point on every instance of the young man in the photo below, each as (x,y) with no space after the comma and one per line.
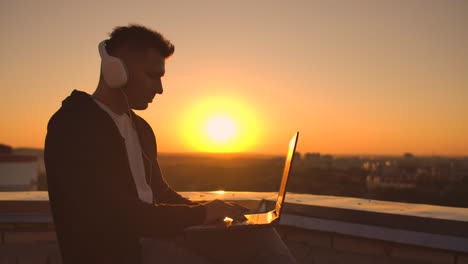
(105,186)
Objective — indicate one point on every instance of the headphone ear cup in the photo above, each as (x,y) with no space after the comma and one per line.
(114,72)
(112,68)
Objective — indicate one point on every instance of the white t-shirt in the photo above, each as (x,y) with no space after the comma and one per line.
(134,152)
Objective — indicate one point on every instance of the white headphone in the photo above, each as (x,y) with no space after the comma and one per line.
(112,68)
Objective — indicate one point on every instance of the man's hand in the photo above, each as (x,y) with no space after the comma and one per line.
(217,210)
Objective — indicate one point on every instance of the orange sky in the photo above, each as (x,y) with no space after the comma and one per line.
(354,77)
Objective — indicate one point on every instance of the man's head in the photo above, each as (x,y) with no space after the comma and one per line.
(143,52)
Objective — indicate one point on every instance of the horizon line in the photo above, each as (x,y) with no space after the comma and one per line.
(301,152)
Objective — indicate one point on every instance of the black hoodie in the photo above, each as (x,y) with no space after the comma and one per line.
(97,213)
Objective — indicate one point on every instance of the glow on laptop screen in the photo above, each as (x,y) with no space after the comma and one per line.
(286,172)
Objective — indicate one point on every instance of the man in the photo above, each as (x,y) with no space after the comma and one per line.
(105,186)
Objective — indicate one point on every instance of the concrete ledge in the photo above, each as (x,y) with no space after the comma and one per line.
(361,246)
(390,220)
(309,238)
(24,207)
(451,243)
(423,255)
(29,237)
(30,253)
(6,219)
(462,259)
(404,224)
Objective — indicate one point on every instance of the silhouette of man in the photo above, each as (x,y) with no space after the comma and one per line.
(105,186)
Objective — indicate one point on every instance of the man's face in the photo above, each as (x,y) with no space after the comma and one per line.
(144,78)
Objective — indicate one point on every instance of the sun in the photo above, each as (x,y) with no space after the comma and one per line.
(220,124)
(220,128)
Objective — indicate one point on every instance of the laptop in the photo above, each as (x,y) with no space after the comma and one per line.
(273,216)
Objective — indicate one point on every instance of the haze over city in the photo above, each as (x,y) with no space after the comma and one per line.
(354,77)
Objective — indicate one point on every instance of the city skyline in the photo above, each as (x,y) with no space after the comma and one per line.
(354,77)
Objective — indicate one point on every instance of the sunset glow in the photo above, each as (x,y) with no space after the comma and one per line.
(354,77)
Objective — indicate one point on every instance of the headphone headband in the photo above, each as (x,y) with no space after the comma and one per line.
(102,49)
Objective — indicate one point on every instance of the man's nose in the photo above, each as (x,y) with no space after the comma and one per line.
(158,88)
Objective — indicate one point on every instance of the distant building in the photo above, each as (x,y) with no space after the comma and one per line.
(459,171)
(389,174)
(312,156)
(297,156)
(317,161)
(347,163)
(18,172)
(5,149)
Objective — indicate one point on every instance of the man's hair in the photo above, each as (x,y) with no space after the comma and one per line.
(138,38)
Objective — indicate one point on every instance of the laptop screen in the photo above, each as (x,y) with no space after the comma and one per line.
(286,173)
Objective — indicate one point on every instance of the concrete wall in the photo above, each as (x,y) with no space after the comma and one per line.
(18,176)
(27,235)
(310,246)
(23,245)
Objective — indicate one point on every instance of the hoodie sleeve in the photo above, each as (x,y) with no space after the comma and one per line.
(90,183)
